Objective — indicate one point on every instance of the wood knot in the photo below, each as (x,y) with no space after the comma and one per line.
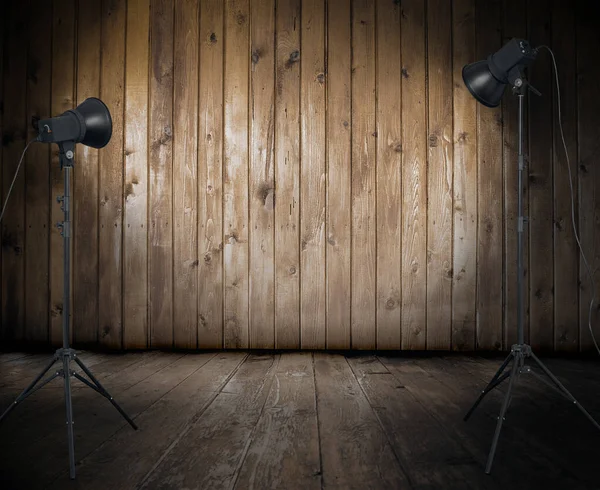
(331,240)
(294,58)
(405,72)
(433,141)
(398,147)
(462,136)
(292,270)
(240,18)
(321,78)
(256,54)
(346,124)
(207,258)
(213,38)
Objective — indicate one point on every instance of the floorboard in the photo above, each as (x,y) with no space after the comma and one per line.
(298,420)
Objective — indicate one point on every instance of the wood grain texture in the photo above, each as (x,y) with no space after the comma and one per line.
(338,188)
(169,414)
(541,199)
(489,192)
(224,443)
(514,25)
(3,39)
(63,99)
(389,175)
(185,170)
(14,140)
(85,205)
(565,252)
(464,239)
(235,173)
(589,170)
(440,174)
(37,176)
(110,186)
(312,175)
(289,414)
(262,176)
(210,176)
(414,177)
(353,444)
(298,174)
(135,226)
(364,184)
(160,169)
(287,175)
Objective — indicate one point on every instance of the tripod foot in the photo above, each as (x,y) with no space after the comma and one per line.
(96,386)
(498,378)
(507,398)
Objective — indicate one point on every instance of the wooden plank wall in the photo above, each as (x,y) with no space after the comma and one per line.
(298,174)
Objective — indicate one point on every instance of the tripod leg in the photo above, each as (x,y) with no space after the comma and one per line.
(513,373)
(496,380)
(69,406)
(562,388)
(27,391)
(103,391)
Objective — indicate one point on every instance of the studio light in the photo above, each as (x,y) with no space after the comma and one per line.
(487,81)
(89,124)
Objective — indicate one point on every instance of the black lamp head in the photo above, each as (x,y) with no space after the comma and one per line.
(89,124)
(487,80)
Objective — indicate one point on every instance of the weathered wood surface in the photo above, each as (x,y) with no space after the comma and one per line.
(298,174)
(298,420)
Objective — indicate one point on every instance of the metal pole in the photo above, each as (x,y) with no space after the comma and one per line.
(66,231)
(520,227)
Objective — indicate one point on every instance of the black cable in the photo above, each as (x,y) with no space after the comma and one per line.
(585,261)
(15,177)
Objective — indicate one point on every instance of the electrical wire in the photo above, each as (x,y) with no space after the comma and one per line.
(12,184)
(585,261)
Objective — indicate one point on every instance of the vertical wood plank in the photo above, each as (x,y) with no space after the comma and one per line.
(135,229)
(85,216)
(339,154)
(110,187)
(63,98)
(414,176)
(389,175)
(588,105)
(440,175)
(185,165)
(364,186)
(210,187)
(514,25)
(160,168)
(566,252)
(489,176)
(235,179)
(3,36)
(287,175)
(312,188)
(37,175)
(464,241)
(13,143)
(262,175)
(541,298)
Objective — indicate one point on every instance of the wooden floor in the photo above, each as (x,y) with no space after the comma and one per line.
(298,421)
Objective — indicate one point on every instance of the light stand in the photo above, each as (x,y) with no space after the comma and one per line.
(65,354)
(520,351)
